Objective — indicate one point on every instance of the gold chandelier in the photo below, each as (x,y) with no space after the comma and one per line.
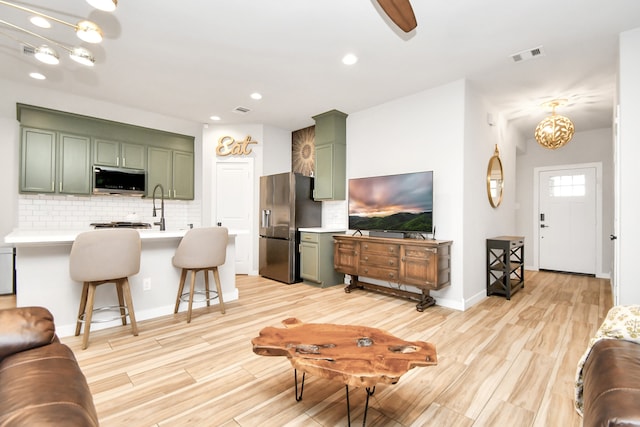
(556,130)
(85,30)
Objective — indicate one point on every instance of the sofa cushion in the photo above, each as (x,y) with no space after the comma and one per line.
(24,328)
(44,386)
(612,384)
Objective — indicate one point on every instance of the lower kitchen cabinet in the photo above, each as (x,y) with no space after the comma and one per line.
(316,259)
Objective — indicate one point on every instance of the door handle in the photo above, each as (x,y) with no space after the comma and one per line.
(544,226)
(613,236)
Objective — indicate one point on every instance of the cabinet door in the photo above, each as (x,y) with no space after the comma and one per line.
(106,153)
(309,261)
(159,170)
(38,161)
(330,172)
(74,164)
(419,266)
(133,156)
(182,175)
(346,257)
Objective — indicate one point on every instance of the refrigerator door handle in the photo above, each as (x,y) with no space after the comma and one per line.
(266,218)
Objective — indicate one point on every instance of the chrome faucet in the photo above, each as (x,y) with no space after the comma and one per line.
(161,222)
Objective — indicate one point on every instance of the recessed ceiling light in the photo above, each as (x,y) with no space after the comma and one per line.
(39,21)
(215,118)
(349,59)
(256,95)
(37,76)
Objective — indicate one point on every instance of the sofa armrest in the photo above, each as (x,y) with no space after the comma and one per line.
(24,328)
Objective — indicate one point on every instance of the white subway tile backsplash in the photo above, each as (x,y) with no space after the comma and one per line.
(36,212)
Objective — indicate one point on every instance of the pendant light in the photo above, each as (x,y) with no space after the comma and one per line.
(555,130)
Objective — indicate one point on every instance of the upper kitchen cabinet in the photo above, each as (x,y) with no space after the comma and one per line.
(331,152)
(119,154)
(40,159)
(171,169)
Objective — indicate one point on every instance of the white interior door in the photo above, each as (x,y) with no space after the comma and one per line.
(234,206)
(567,219)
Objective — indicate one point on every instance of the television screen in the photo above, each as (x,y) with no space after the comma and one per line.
(402,202)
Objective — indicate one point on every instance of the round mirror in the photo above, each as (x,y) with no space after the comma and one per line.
(495,182)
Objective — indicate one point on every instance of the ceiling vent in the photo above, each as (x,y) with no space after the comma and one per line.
(28,50)
(527,54)
(241,110)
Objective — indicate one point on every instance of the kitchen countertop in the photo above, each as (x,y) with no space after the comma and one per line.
(40,237)
(322,230)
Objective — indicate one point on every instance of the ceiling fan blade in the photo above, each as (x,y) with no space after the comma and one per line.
(400,12)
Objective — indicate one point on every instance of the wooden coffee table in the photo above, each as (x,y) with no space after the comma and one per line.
(357,356)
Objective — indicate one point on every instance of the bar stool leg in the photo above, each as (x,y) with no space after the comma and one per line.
(88,312)
(127,296)
(216,277)
(183,278)
(83,307)
(193,288)
(123,311)
(207,294)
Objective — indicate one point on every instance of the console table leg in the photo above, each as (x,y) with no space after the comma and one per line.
(352,285)
(370,392)
(425,301)
(295,378)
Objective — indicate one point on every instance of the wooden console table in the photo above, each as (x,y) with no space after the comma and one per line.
(424,264)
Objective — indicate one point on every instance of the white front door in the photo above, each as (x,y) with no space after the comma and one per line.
(234,206)
(567,219)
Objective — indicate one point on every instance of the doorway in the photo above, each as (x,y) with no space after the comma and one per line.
(233,206)
(568,218)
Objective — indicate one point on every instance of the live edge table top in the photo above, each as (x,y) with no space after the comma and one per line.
(357,356)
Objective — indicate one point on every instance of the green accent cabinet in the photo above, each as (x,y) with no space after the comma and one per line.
(316,259)
(47,166)
(119,154)
(331,152)
(38,161)
(74,161)
(182,175)
(173,170)
(159,170)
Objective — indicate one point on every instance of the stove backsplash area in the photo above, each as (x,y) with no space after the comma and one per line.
(40,212)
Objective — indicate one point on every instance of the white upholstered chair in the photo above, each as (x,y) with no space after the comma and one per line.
(201,249)
(105,256)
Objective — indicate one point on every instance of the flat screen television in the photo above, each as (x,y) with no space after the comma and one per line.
(392,203)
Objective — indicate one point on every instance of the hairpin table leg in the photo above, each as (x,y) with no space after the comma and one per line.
(370,392)
(295,377)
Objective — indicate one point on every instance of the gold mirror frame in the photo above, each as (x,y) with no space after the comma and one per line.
(495,179)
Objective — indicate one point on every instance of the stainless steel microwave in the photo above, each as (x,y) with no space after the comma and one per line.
(110,180)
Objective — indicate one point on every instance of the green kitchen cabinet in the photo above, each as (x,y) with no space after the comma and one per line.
(171,169)
(52,162)
(331,151)
(316,259)
(119,154)
(74,164)
(38,161)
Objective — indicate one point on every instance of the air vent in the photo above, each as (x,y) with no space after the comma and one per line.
(527,54)
(28,50)
(241,110)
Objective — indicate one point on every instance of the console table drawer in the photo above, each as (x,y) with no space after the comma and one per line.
(378,260)
(378,272)
(381,248)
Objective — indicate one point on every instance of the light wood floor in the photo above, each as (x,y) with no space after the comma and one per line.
(501,363)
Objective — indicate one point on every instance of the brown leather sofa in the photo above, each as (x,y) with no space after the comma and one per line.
(611,390)
(41,383)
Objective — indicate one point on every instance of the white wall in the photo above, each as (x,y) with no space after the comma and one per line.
(585,147)
(629,168)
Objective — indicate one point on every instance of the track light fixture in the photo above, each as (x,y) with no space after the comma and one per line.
(86,31)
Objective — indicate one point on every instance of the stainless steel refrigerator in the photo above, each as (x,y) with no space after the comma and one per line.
(286,204)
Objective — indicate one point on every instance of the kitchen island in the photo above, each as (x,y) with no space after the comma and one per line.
(42,276)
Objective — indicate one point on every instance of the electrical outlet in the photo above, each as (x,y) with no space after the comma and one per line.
(146,284)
